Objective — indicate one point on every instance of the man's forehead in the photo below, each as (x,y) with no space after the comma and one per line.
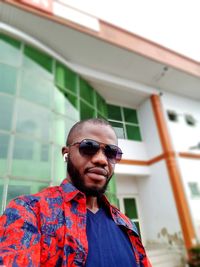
(95,131)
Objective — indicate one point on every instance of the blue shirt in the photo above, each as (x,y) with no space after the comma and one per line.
(109,245)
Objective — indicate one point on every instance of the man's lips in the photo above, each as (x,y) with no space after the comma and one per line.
(97,171)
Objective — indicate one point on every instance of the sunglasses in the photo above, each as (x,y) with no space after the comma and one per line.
(88,147)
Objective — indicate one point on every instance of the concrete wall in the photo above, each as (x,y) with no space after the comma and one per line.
(184,137)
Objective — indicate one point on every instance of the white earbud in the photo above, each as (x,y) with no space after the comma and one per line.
(65,157)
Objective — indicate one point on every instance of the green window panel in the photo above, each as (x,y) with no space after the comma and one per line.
(33,120)
(10,50)
(101,106)
(40,92)
(26,155)
(130,208)
(1,195)
(59,167)
(70,97)
(65,78)
(4,145)
(66,104)
(10,40)
(114,113)
(42,59)
(130,115)
(8,79)
(119,129)
(86,92)
(6,112)
(133,132)
(61,128)
(86,111)
(111,191)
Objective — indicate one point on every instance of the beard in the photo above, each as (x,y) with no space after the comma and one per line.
(78,181)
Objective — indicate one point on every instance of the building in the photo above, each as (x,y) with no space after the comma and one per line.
(59,65)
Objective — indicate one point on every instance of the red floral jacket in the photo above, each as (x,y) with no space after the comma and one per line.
(49,229)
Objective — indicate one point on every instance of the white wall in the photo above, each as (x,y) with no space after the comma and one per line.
(149,130)
(158,205)
(184,137)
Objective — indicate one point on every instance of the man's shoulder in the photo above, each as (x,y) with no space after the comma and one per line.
(46,196)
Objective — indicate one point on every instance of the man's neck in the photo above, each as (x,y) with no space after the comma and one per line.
(92,204)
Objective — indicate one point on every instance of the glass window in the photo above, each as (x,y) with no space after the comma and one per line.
(65,78)
(9,50)
(172,115)
(4,144)
(66,104)
(194,189)
(33,120)
(1,195)
(86,91)
(59,166)
(27,160)
(190,120)
(101,105)
(37,69)
(40,91)
(130,115)
(18,188)
(61,128)
(130,208)
(8,79)
(114,113)
(86,111)
(6,112)
(42,59)
(119,129)
(133,132)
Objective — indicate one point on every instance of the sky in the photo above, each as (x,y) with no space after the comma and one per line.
(174,24)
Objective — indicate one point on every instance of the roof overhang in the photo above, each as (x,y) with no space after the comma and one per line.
(124,68)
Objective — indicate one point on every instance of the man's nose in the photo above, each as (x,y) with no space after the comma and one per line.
(100,157)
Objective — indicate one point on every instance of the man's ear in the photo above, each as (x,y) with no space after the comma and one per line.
(65,150)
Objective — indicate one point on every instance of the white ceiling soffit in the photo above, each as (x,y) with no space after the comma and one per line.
(105,66)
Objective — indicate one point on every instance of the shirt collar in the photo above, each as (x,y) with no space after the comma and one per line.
(70,192)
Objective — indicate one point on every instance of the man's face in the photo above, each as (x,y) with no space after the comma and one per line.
(91,174)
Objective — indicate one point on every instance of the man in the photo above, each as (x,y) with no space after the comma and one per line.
(74,224)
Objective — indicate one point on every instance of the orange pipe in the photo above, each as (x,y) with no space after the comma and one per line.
(174,174)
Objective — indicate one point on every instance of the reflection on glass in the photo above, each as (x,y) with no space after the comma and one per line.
(1,195)
(6,112)
(8,79)
(61,128)
(60,167)
(10,50)
(33,120)
(119,130)
(31,159)
(40,91)
(37,61)
(4,143)
(66,104)
(17,190)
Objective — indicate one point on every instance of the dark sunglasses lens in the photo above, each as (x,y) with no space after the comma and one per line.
(88,147)
(113,153)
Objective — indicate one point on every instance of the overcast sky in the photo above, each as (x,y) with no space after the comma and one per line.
(172,23)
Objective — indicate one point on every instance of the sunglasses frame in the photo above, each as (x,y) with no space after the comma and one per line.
(112,160)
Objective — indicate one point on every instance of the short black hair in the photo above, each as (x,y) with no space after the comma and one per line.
(78,126)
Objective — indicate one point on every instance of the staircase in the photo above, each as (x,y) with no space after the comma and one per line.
(166,257)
